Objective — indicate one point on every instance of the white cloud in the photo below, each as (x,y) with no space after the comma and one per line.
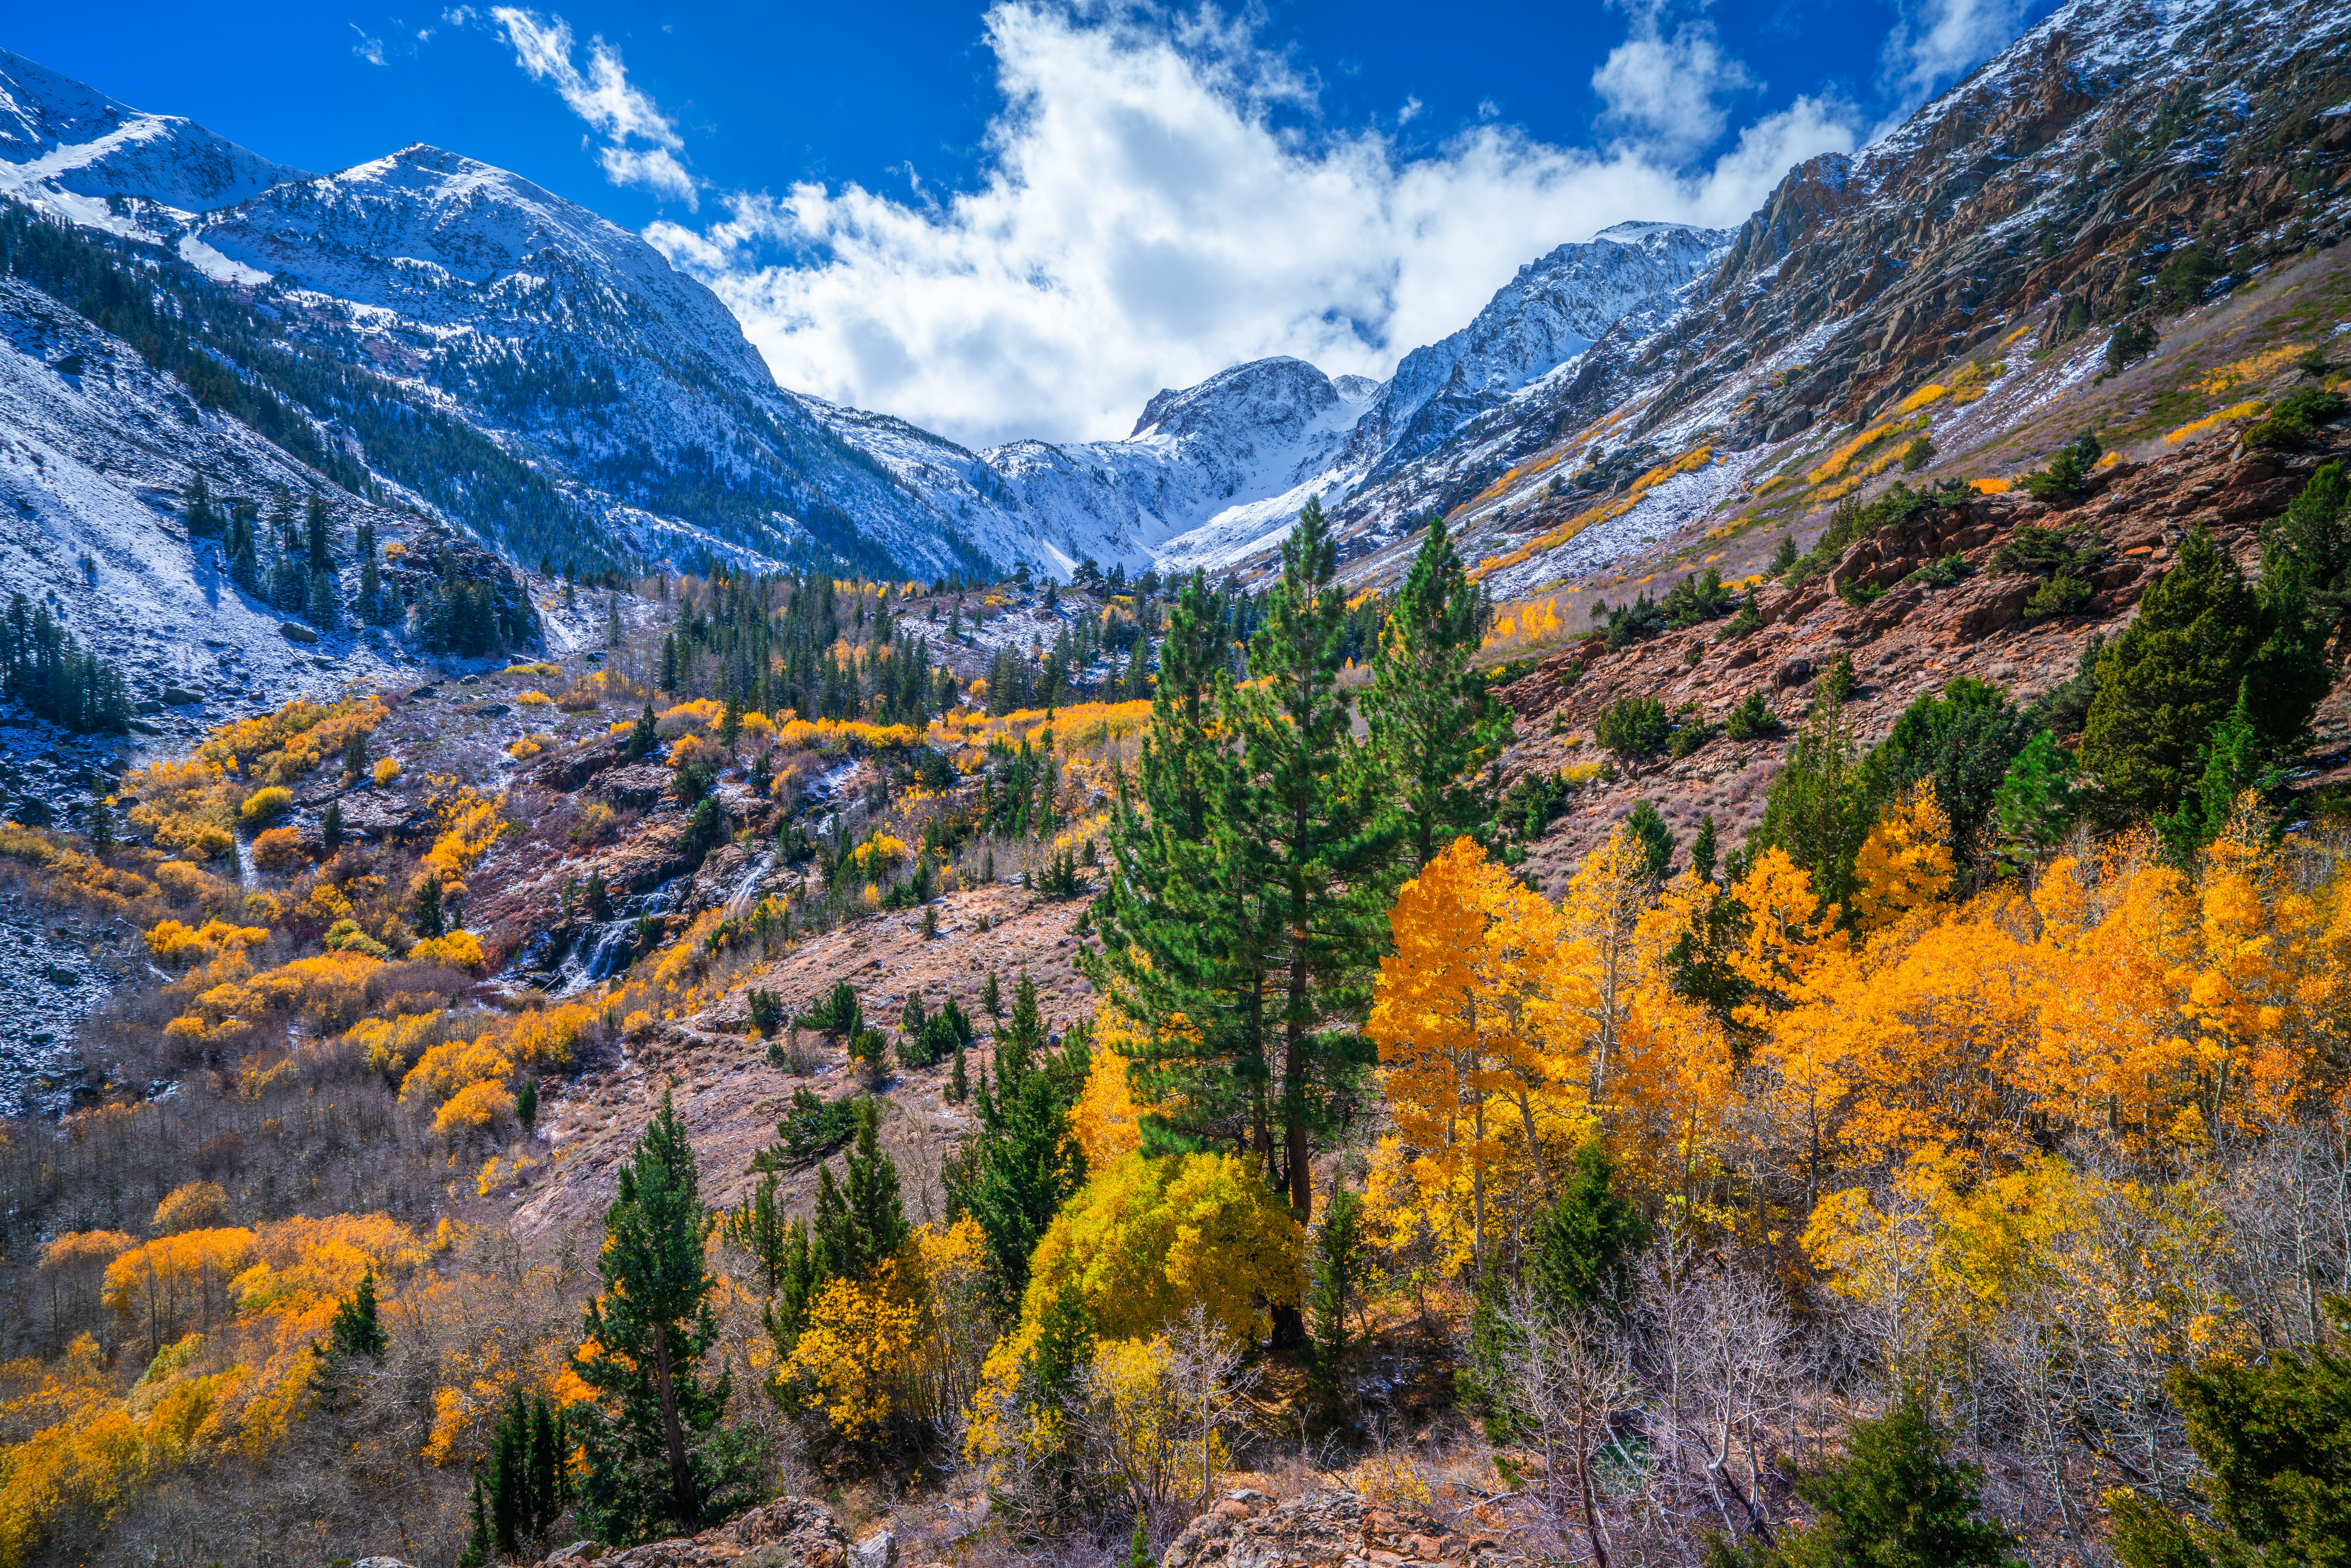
(602,96)
(1667,91)
(367,48)
(1142,222)
(1936,41)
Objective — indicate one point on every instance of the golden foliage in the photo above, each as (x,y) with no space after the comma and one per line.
(1145,1238)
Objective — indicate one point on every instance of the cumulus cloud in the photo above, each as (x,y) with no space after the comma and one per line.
(1668,91)
(1936,41)
(1144,221)
(602,96)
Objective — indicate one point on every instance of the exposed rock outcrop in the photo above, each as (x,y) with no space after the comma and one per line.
(795,1533)
(1247,1528)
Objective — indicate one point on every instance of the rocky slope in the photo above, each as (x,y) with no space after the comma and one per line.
(2124,161)
(1909,640)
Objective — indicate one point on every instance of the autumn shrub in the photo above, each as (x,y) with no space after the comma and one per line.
(266,805)
(1146,1237)
(279,851)
(194,1206)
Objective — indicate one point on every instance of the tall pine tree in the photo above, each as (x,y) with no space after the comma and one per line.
(1434,724)
(1303,820)
(657,1455)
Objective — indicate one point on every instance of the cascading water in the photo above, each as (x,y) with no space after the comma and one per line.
(603,948)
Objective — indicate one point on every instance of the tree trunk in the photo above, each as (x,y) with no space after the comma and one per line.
(681,1472)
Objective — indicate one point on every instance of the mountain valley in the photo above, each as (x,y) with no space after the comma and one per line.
(1732,888)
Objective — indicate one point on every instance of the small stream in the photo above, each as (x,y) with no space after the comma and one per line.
(568,960)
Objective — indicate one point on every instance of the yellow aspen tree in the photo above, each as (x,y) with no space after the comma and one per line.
(1457,1017)
(1904,864)
(1601,912)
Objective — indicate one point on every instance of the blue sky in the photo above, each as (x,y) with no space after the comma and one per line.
(1024,219)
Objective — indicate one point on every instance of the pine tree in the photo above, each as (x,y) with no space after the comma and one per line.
(2276,1435)
(1818,809)
(756,1228)
(1024,1162)
(2313,538)
(2035,804)
(1433,723)
(356,1328)
(527,1105)
(318,602)
(2172,676)
(958,1083)
(1579,1250)
(427,917)
(318,534)
(1300,821)
(992,998)
(643,737)
(480,1544)
(1175,911)
(656,1452)
(1339,1244)
(859,1222)
(1894,1497)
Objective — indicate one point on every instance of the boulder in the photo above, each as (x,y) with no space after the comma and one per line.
(795,1533)
(639,785)
(1247,1528)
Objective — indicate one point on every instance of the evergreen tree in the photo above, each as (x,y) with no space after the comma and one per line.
(2173,674)
(197,510)
(1647,826)
(756,1228)
(1436,726)
(2275,1434)
(2313,538)
(318,602)
(318,535)
(1302,820)
(427,917)
(355,753)
(1818,809)
(992,998)
(527,1105)
(1024,1162)
(643,737)
(245,560)
(480,1544)
(859,1222)
(656,1453)
(1896,1500)
(1962,740)
(356,1328)
(2034,806)
(958,1083)
(1340,1245)
(1581,1250)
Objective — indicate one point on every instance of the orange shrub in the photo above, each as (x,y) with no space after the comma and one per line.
(279,851)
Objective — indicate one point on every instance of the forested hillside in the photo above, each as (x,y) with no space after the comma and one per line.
(605,1098)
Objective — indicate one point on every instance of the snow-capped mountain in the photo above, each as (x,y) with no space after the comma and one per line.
(95,449)
(576,346)
(1544,318)
(1215,472)
(107,166)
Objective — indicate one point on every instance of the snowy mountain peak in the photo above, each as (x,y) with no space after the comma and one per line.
(71,149)
(1281,396)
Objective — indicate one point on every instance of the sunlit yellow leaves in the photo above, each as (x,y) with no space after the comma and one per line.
(1145,1238)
